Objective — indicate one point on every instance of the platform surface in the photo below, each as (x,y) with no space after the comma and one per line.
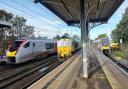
(103,74)
(96,80)
(116,76)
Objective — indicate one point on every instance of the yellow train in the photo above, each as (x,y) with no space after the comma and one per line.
(66,47)
(115,46)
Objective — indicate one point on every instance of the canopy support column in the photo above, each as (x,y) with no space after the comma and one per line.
(84,37)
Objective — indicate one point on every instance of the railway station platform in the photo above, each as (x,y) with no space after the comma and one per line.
(117,77)
(103,74)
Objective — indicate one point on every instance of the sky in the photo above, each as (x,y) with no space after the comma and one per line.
(111,24)
(49,25)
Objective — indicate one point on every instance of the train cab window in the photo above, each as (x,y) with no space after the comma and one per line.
(49,45)
(15,45)
(27,45)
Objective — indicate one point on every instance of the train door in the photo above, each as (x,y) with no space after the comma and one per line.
(33,49)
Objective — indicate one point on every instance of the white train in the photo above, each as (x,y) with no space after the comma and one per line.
(24,49)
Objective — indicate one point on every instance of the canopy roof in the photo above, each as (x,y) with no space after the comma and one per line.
(69,10)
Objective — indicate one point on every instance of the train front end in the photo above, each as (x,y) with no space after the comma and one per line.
(12,51)
(105,45)
(64,48)
(114,46)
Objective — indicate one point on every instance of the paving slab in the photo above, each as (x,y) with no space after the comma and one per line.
(96,80)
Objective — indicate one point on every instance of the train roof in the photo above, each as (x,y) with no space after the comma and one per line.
(69,39)
(105,38)
(35,38)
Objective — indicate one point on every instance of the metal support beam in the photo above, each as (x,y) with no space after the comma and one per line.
(84,37)
(87,28)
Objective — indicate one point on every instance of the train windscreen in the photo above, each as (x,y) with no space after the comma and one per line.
(15,45)
(64,43)
(105,42)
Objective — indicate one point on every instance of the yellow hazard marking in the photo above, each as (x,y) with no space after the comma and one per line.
(105,47)
(64,50)
(11,54)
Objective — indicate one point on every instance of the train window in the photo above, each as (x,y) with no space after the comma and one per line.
(15,45)
(64,43)
(52,45)
(27,45)
(49,45)
(33,44)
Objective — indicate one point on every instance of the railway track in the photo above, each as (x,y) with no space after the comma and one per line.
(7,67)
(117,63)
(11,76)
(15,71)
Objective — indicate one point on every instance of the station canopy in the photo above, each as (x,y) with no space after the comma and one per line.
(69,10)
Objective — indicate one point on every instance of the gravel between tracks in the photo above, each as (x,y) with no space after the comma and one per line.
(17,75)
(26,81)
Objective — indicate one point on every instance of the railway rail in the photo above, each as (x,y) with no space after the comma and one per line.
(4,67)
(116,75)
(10,76)
(123,67)
(22,76)
(52,77)
(117,63)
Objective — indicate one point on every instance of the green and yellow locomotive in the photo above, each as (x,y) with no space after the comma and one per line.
(66,47)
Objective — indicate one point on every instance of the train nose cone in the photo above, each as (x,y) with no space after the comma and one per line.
(11,54)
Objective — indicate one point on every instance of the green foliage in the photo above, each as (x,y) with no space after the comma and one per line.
(66,35)
(19,24)
(19,28)
(102,36)
(121,30)
(122,54)
(5,15)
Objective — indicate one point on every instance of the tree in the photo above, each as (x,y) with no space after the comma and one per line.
(102,36)
(5,15)
(21,29)
(18,24)
(28,31)
(121,30)
(57,37)
(66,35)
